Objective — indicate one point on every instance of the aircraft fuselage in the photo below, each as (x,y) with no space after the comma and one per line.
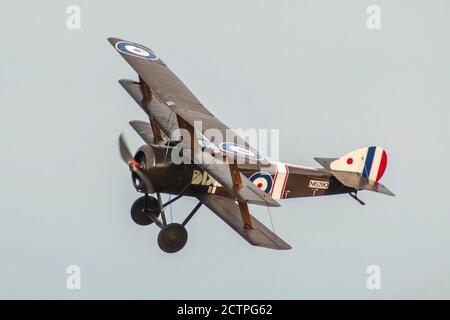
(279,180)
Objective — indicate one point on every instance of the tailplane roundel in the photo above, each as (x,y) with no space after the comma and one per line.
(370,162)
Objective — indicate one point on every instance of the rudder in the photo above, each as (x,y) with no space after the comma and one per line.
(370,162)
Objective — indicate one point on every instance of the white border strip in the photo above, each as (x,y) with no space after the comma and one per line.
(279,181)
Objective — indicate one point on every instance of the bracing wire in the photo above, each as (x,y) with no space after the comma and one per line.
(171,214)
(271,221)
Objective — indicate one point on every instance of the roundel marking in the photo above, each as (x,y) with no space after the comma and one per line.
(239,150)
(136,50)
(262,180)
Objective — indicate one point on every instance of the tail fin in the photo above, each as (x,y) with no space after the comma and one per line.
(370,162)
(360,169)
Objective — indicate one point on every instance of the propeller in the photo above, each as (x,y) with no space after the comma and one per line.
(134,165)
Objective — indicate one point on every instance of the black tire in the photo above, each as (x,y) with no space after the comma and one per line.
(139,213)
(172,238)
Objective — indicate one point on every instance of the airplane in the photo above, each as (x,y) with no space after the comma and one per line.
(223,172)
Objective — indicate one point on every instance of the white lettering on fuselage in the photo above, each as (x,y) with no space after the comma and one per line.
(318,184)
(203,178)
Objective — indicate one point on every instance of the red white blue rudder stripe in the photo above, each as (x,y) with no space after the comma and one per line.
(370,162)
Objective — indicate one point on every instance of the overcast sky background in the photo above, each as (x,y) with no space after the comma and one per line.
(310,68)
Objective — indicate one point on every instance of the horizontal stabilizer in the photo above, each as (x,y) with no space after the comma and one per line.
(325,162)
(355,180)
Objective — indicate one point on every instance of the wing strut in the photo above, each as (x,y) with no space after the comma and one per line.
(237,183)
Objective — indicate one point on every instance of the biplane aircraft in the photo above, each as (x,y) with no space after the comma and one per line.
(223,172)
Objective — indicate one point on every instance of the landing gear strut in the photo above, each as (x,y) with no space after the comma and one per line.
(173,236)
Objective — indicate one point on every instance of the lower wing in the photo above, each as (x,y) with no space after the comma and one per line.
(228,211)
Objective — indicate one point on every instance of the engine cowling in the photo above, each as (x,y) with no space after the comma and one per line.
(146,158)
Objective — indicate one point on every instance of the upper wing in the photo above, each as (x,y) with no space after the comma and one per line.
(169,90)
(229,212)
(173,95)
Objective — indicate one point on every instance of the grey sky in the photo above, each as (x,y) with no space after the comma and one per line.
(310,68)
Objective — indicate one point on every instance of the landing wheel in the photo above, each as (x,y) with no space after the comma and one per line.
(172,238)
(142,207)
